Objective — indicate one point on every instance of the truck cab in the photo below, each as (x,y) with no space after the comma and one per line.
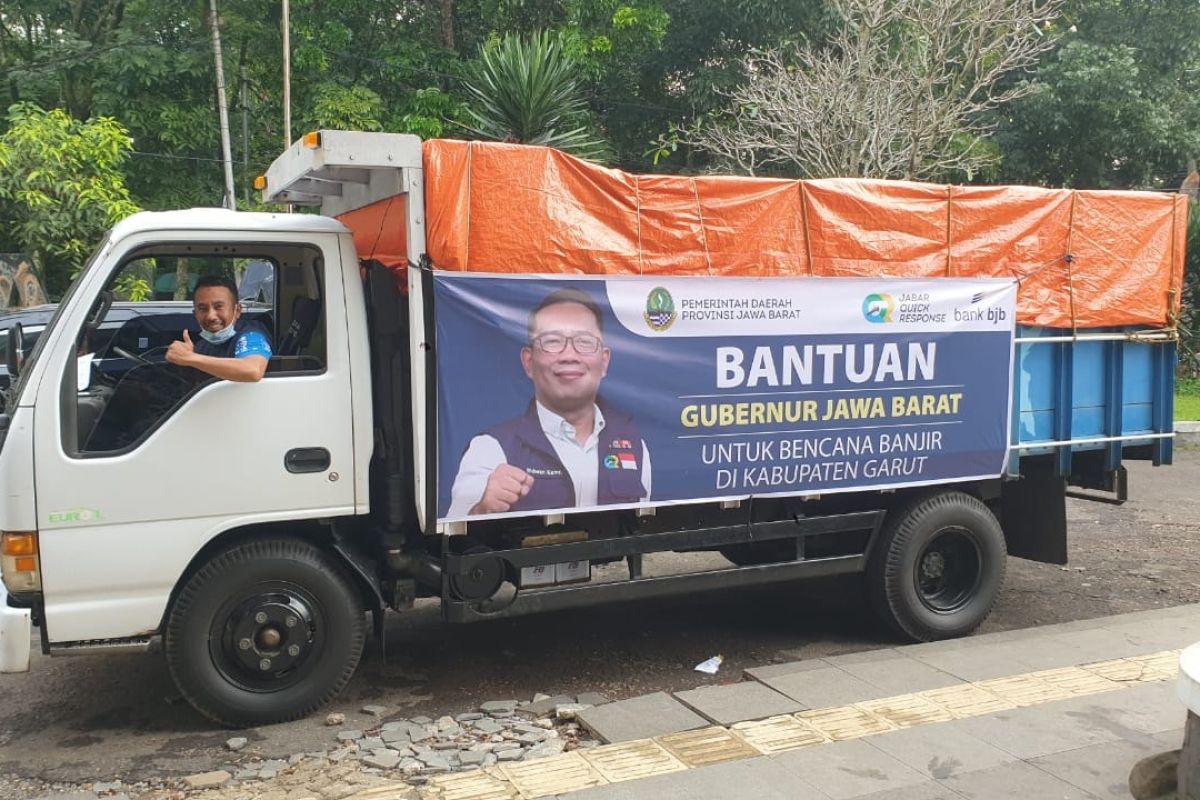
(137,476)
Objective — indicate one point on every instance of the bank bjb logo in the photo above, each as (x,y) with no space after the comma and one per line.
(660,309)
(878,307)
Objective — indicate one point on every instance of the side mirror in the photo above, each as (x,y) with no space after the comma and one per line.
(16,351)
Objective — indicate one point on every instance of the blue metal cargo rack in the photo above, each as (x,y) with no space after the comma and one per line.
(1103,389)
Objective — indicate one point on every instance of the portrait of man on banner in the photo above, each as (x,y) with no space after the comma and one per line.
(569,448)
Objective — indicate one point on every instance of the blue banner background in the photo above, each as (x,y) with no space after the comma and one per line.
(481,327)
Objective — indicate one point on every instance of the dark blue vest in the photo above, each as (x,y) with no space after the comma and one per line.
(225,349)
(619,456)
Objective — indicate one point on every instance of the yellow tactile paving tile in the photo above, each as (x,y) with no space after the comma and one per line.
(845,722)
(483,784)
(706,746)
(1161,666)
(967,700)
(1076,680)
(1024,690)
(777,734)
(676,752)
(397,791)
(1158,666)
(628,761)
(1120,670)
(907,710)
(569,772)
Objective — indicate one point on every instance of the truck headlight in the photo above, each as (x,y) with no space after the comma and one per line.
(19,561)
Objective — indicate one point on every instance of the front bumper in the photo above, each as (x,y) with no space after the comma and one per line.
(16,628)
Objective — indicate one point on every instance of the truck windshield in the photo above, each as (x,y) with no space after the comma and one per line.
(31,355)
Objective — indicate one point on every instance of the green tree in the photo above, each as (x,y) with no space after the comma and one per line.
(48,50)
(901,90)
(61,186)
(1189,322)
(528,90)
(1117,104)
(698,63)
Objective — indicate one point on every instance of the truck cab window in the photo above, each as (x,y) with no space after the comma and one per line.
(120,387)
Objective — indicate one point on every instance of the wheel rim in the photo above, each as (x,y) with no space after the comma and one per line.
(267,638)
(948,570)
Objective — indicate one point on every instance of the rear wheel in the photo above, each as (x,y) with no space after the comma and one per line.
(938,566)
(266,631)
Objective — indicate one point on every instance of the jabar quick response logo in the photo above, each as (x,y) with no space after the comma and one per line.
(660,309)
(878,307)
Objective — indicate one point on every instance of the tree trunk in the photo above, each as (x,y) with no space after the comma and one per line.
(448,24)
(181,279)
(222,108)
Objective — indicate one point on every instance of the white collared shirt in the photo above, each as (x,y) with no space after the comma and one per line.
(581,462)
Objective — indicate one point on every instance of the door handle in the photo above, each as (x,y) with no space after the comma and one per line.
(307,459)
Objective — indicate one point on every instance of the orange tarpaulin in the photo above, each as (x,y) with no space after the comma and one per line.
(1083,258)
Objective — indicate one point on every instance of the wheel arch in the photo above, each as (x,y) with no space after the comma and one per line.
(325,536)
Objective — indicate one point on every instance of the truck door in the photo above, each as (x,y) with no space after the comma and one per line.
(140,463)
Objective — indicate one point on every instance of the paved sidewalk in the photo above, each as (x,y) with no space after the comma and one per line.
(1062,711)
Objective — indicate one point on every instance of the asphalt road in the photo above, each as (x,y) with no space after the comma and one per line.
(106,717)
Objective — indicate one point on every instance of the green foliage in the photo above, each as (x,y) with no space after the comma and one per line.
(352,108)
(1189,322)
(428,113)
(1187,398)
(133,288)
(61,186)
(1118,104)
(527,89)
(1118,101)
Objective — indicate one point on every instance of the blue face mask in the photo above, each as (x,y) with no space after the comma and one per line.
(220,337)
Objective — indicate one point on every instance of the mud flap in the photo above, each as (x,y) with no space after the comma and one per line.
(1033,514)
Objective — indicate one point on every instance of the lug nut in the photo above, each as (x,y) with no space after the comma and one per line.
(290,622)
(265,664)
(294,650)
(260,617)
(245,644)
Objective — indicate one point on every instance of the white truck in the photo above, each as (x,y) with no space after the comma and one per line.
(251,526)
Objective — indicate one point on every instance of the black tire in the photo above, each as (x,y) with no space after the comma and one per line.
(266,631)
(938,566)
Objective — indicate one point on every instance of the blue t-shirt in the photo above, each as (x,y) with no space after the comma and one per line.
(252,343)
(250,339)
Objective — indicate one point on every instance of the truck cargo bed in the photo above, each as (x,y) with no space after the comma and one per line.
(1106,393)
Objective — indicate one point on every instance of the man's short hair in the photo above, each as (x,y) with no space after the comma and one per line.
(566,296)
(205,281)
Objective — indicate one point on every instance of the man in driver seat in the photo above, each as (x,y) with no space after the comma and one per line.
(230,347)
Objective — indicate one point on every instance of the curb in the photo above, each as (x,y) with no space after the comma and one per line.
(1187,432)
(677,752)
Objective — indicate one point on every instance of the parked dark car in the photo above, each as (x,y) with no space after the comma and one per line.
(142,329)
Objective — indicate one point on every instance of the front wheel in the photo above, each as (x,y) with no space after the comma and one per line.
(266,631)
(938,566)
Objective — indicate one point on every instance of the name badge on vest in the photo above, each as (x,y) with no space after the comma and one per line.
(544,473)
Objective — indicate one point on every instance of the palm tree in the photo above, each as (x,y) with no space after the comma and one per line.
(528,90)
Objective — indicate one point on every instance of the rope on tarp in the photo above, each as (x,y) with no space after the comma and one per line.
(949,222)
(470,175)
(382,224)
(637,199)
(1173,298)
(1069,258)
(807,233)
(703,230)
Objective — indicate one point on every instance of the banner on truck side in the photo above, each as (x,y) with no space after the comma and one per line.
(564,394)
